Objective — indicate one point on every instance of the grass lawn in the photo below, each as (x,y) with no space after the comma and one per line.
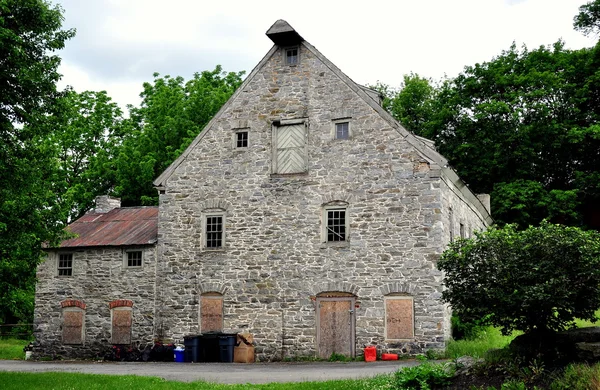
(12,349)
(69,381)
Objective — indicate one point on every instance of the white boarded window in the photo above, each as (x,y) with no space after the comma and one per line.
(289,148)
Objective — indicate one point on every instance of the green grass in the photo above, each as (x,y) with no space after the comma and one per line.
(69,381)
(585,324)
(490,338)
(12,349)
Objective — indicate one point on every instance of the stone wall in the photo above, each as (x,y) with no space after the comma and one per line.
(274,262)
(99,278)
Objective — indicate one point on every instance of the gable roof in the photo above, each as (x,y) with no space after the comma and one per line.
(281,31)
(119,227)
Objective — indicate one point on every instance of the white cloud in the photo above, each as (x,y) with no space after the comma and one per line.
(121,43)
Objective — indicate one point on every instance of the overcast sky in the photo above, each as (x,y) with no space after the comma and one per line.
(121,43)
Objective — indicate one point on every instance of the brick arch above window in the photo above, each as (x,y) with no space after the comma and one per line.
(399,288)
(73,303)
(215,204)
(120,303)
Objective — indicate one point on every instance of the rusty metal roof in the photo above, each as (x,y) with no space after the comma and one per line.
(118,227)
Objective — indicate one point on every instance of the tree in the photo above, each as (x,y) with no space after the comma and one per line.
(86,133)
(171,115)
(587,20)
(534,280)
(413,105)
(30,31)
(526,116)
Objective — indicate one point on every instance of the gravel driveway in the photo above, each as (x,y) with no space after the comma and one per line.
(219,372)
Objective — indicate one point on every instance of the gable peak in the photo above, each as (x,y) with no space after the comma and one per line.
(282,34)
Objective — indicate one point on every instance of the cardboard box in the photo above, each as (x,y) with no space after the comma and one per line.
(243,354)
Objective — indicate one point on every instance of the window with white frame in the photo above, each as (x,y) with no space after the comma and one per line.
(65,264)
(133,258)
(342,130)
(292,56)
(335,224)
(241,139)
(214,230)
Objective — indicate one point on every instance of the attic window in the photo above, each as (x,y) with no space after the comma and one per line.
(342,130)
(241,139)
(291,56)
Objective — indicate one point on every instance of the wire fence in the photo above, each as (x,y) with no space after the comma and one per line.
(17,331)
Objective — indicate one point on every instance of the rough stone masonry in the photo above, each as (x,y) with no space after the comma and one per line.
(244,228)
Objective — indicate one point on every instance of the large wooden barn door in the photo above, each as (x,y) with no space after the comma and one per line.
(335,326)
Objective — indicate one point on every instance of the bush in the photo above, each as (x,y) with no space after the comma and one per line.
(424,377)
(536,280)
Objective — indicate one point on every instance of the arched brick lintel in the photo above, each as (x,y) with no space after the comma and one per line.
(120,303)
(73,303)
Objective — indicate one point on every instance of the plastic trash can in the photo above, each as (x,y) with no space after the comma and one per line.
(208,347)
(192,349)
(179,355)
(226,345)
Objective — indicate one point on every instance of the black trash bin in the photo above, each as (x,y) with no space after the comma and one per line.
(226,344)
(209,347)
(192,349)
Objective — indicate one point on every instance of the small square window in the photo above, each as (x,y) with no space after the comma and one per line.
(241,139)
(342,130)
(65,264)
(134,258)
(336,225)
(214,231)
(291,56)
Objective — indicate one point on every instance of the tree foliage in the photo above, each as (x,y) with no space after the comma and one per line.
(537,279)
(86,133)
(587,20)
(523,127)
(172,114)
(30,31)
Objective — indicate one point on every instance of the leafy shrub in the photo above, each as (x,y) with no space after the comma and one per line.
(424,376)
(462,330)
(535,280)
(578,377)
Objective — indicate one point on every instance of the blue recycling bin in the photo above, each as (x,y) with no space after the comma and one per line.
(179,355)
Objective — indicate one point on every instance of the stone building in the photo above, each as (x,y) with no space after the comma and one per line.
(302,213)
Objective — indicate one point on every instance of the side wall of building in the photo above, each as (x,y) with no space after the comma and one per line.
(274,264)
(99,277)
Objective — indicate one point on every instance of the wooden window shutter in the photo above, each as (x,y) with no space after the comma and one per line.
(399,318)
(73,327)
(211,313)
(290,149)
(121,326)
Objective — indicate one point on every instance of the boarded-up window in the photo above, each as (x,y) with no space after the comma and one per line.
(121,325)
(211,313)
(73,325)
(289,149)
(399,318)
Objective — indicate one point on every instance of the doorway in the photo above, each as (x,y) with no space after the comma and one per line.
(335,324)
